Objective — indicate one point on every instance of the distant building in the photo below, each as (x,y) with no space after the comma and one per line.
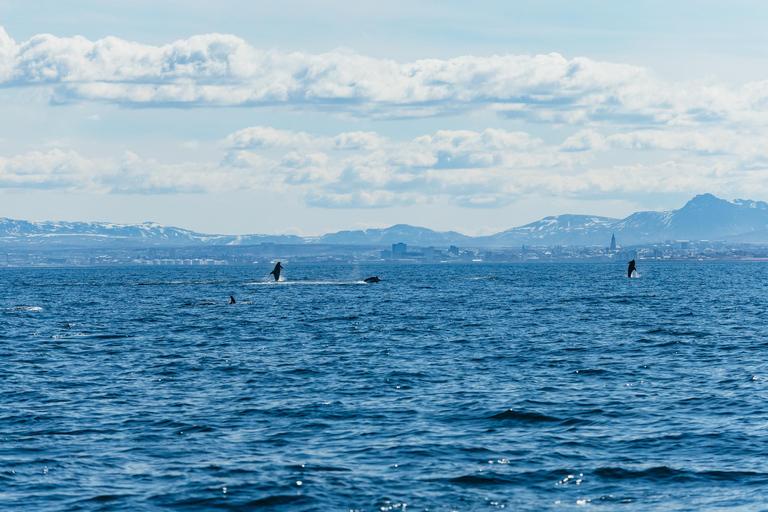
(454,251)
(432,254)
(399,251)
(613,243)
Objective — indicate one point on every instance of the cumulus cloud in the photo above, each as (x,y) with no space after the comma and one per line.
(223,70)
(68,170)
(584,140)
(474,169)
(8,53)
(720,141)
(264,137)
(55,169)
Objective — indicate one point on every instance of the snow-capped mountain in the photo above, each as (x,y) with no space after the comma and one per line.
(559,230)
(705,217)
(92,234)
(147,232)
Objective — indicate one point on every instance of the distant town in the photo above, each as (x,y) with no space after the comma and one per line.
(400,253)
(705,229)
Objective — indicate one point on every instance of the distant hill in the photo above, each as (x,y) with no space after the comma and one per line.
(397,233)
(705,217)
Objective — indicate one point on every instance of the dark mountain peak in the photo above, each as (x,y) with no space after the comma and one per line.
(407,229)
(404,228)
(706,201)
(708,217)
(405,233)
(704,198)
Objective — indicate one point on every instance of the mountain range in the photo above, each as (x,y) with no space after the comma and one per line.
(705,217)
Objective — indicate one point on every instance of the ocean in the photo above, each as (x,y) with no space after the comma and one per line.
(441,388)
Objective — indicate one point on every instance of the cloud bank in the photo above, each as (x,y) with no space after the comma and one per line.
(635,133)
(216,70)
(484,169)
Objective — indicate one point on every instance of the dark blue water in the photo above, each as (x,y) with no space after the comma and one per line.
(451,387)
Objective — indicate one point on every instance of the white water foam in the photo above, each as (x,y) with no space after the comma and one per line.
(312,283)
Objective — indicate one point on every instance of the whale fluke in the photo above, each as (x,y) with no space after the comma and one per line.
(276,272)
(631,268)
(232,300)
(373,279)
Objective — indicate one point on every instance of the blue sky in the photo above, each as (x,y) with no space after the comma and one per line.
(266,117)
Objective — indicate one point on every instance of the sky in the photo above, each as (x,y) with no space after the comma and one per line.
(303,117)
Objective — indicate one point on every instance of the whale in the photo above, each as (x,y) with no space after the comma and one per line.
(373,279)
(276,272)
(631,268)
(232,300)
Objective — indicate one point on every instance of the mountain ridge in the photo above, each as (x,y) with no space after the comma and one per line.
(704,217)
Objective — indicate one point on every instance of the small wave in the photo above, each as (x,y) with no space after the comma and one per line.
(335,319)
(666,473)
(24,308)
(198,428)
(309,467)
(107,497)
(528,417)
(674,332)
(87,336)
(272,501)
(480,480)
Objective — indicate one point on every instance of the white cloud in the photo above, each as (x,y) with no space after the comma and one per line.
(55,169)
(8,51)
(262,137)
(584,140)
(223,70)
(358,140)
(474,169)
